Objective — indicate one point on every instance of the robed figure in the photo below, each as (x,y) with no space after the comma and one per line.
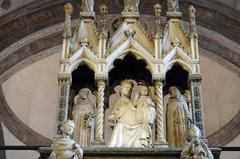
(84,118)
(178,119)
(146,113)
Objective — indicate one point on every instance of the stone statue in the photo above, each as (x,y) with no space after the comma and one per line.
(84,118)
(146,112)
(173,5)
(87,6)
(131,6)
(178,118)
(196,148)
(64,147)
(130,130)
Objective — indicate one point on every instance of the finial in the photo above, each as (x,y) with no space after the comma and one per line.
(68,8)
(192,18)
(192,13)
(103,9)
(158,9)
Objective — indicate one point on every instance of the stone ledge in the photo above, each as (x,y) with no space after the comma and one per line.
(122,153)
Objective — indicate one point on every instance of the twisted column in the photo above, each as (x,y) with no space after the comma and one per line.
(160,140)
(100,112)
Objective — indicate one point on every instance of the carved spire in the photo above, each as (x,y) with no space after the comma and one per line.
(158,9)
(192,18)
(68,8)
(103,12)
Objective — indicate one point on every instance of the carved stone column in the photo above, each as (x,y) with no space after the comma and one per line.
(197,105)
(160,139)
(64,81)
(99,139)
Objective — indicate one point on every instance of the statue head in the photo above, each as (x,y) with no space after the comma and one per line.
(144,90)
(68,127)
(83,93)
(126,88)
(195,134)
(174,92)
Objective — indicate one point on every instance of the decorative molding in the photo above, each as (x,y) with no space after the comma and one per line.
(226,134)
(17,127)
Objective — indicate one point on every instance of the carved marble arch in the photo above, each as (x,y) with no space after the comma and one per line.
(127,67)
(138,54)
(176,75)
(83,55)
(185,66)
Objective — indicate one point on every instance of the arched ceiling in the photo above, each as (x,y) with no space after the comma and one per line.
(219,16)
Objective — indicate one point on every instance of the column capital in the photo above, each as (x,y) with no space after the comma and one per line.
(158,77)
(195,77)
(101,76)
(64,78)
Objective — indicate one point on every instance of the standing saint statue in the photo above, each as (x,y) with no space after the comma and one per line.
(64,147)
(173,5)
(131,6)
(84,118)
(87,6)
(178,118)
(129,130)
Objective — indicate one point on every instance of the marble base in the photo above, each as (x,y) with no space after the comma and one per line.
(128,153)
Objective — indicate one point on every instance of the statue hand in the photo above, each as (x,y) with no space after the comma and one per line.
(112,120)
(78,149)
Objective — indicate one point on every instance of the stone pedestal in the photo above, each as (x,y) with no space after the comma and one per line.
(128,153)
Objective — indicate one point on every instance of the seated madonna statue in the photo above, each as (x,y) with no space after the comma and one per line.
(130,130)
(64,147)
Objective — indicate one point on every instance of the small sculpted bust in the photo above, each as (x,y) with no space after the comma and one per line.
(64,147)
(196,148)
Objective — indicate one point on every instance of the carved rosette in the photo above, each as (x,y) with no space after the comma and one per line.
(160,140)
(100,112)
